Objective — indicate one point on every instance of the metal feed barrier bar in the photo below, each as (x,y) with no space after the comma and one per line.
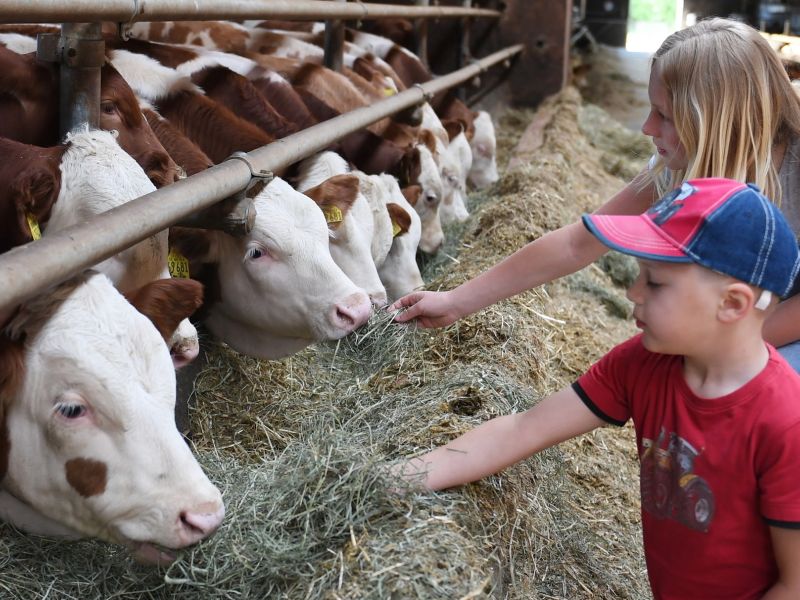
(132,11)
(31,268)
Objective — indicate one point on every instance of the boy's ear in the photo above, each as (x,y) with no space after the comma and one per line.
(738,300)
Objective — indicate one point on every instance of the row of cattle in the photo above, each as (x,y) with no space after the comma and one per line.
(88,444)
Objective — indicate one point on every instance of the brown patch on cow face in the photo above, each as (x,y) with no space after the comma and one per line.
(87,476)
(400,217)
(412,193)
(12,369)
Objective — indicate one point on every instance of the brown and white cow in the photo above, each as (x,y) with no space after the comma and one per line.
(348,215)
(50,189)
(275,290)
(88,443)
(29,91)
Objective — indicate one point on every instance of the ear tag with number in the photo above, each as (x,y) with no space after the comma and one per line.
(333,214)
(178,264)
(33,225)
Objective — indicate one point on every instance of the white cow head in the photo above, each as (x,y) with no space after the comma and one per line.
(378,196)
(277,288)
(326,179)
(89,443)
(399,271)
(428,199)
(484,149)
(97,175)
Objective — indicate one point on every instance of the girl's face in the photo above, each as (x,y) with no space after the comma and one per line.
(660,126)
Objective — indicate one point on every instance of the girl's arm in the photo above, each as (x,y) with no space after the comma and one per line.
(501,442)
(783,325)
(549,257)
(786,546)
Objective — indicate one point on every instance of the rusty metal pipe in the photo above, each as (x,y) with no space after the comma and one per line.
(132,11)
(28,269)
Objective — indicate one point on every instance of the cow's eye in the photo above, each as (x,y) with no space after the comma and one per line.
(108,108)
(71,411)
(254,253)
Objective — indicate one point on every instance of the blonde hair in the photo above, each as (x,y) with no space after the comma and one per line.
(731,103)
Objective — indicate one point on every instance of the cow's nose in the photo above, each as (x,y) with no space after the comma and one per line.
(352,312)
(200,522)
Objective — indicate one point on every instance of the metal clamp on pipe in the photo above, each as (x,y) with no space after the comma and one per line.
(236,214)
(79,53)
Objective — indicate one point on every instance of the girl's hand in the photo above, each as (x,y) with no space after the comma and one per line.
(429,309)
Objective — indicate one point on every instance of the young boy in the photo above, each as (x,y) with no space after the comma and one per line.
(716,409)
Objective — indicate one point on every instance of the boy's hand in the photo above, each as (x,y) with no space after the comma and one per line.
(430,309)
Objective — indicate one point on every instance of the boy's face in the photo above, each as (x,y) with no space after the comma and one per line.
(676,305)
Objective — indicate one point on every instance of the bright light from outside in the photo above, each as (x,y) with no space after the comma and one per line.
(650,21)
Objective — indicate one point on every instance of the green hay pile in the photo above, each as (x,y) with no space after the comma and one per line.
(300,446)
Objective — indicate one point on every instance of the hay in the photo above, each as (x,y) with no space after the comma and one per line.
(299,446)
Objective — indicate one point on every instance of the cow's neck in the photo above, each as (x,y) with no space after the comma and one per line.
(248,340)
(28,519)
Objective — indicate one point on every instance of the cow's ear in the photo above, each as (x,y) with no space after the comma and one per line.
(454,127)
(335,196)
(427,138)
(193,243)
(12,369)
(167,302)
(34,191)
(412,193)
(401,220)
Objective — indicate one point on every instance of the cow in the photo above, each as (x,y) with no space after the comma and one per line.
(326,178)
(275,290)
(29,91)
(400,271)
(49,189)
(483,171)
(88,443)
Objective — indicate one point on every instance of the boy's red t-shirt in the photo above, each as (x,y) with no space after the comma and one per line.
(715,473)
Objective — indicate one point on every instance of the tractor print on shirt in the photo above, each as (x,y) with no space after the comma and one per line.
(670,490)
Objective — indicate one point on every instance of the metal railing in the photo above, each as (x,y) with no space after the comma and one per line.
(132,11)
(28,269)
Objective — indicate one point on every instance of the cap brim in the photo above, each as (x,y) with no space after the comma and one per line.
(635,235)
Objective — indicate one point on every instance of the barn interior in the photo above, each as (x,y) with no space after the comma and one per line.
(300,447)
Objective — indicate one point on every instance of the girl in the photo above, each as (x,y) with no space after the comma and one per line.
(721,106)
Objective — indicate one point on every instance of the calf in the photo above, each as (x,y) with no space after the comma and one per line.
(326,179)
(54,188)
(400,271)
(88,443)
(277,289)
(213,127)
(29,91)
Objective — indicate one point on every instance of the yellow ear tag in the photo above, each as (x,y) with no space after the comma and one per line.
(178,264)
(33,225)
(387,91)
(396,229)
(333,214)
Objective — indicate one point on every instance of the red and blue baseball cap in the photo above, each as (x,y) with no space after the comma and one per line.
(724,225)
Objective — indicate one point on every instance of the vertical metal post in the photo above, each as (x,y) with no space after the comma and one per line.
(334,42)
(464,53)
(81,48)
(421,35)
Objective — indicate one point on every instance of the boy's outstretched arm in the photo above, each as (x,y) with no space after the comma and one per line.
(501,442)
(786,546)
